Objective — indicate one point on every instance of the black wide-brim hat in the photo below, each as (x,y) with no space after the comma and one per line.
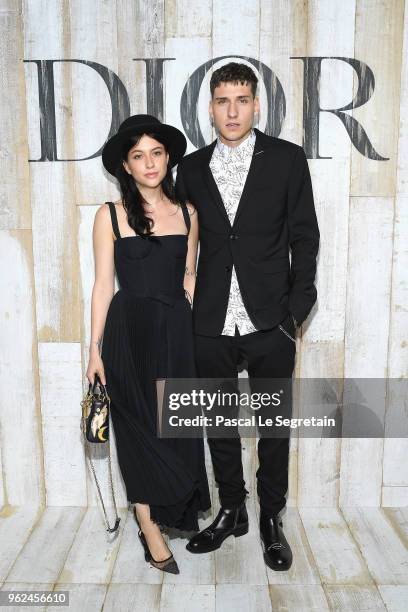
(174,139)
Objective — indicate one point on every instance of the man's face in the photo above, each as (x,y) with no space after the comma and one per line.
(232,109)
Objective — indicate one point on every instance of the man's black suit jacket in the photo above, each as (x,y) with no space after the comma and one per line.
(275,216)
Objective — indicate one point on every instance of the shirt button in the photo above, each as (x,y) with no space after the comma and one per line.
(233,236)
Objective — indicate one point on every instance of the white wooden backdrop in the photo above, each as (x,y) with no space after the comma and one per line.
(359,326)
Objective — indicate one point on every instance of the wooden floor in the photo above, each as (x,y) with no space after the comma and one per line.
(344,559)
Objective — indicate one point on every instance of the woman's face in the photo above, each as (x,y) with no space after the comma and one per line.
(147,162)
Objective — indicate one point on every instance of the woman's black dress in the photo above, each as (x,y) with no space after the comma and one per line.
(148,336)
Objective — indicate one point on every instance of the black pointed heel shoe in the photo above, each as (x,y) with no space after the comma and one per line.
(167,565)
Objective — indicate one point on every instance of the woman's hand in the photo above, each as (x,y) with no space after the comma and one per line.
(189,298)
(95,366)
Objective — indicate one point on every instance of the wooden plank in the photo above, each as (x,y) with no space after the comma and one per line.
(319,457)
(354,598)
(184,18)
(384,552)
(395,468)
(19,393)
(129,597)
(282,35)
(305,598)
(2,483)
(326,321)
(398,518)
(81,564)
(321,351)
(336,82)
(15,212)
(395,597)
(200,598)
(190,53)
(54,533)
(357,473)
(93,37)
(366,342)
(227,35)
(242,597)
(381,22)
(303,570)
(16,523)
(402,169)
(395,471)
(337,556)
(46,35)
(84,597)
(61,393)
(141,27)
(394,496)
(292,494)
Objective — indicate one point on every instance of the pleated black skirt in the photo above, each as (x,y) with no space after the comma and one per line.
(144,340)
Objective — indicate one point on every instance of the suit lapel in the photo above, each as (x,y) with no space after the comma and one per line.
(212,185)
(254,176)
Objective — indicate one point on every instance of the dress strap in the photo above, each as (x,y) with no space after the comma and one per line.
(186,215)
(114,219)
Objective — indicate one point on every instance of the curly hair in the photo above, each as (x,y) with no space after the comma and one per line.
(234,73)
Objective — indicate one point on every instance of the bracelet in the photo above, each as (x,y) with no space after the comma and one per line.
(188,273)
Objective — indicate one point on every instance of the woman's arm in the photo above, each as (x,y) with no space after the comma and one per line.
(104,285)
(191,261)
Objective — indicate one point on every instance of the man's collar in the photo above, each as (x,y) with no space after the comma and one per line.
(246,145)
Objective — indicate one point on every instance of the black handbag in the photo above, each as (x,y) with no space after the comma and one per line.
(95,429)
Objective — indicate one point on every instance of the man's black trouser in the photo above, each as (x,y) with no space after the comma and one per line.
(268,354)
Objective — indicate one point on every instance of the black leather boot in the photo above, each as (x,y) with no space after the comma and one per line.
(227,522)
(277,552)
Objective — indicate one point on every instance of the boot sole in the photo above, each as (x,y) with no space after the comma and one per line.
(237,532)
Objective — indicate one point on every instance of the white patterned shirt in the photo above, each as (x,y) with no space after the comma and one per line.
(230,166)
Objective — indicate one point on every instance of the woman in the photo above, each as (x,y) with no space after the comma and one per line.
(151,242)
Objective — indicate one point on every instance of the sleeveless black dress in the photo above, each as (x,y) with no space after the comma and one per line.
(148,336)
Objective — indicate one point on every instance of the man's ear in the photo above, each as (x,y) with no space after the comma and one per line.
(257,105)
(210,109)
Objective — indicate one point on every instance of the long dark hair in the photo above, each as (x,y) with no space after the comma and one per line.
(131,197)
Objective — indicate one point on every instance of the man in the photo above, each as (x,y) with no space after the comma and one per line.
(254,199)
